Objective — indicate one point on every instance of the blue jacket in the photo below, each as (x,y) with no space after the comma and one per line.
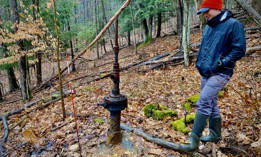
(223,42)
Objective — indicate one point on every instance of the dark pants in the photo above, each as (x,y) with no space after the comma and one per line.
(207,103)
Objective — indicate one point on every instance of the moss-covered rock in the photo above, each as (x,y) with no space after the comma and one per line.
(163,107)
(193,99)
(55,95)
(158,115)
(187,106)
(169,112)
(148,109)
(189,118)
(179,125)
(158,112)
(221,94)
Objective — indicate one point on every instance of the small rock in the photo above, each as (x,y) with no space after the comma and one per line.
(74,148)
(139,120)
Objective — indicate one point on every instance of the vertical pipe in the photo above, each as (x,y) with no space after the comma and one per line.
(114,134)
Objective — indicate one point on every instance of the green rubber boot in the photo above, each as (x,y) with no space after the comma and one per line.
(215,130)
(194,138)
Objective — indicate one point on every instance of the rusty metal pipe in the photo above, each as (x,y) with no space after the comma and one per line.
(115,102)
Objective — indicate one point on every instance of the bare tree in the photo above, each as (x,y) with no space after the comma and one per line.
(186,31)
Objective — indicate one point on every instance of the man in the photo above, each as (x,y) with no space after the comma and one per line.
(223,44)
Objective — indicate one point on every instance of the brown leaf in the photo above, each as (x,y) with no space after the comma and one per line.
(31,137)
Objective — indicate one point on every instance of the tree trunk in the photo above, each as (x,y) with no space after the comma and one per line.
(159,24)
(39,79)
(146,30)
(179,16)
(203,20)
(71,46)
(13,86)
(96,25)
(133,28)
(39,68)
(76,22)
(105,18)
(150,25)
(129,38)
(1,92)
(252,12)
(186,31)
(58,60)
(26,94)
(25,90)
(84,11)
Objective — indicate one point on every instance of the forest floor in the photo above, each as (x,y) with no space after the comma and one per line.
(42,132)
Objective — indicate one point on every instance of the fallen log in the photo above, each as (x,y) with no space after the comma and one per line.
(252,12)
(250,50)
(162,63)
(154,59)
(66,93)
(121,69)
(21,109)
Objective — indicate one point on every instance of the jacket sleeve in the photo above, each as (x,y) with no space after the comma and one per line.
(238,46)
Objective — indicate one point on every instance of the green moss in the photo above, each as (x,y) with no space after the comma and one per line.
(148,109)
(193,99)
(187,107)
(158,115)
(146,42)
(221,94)
(163,107)
(55,95)
(189,118)
(179,125)
(98,120)
(170,112)
(158,112)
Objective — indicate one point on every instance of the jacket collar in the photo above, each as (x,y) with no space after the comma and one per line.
(221,17)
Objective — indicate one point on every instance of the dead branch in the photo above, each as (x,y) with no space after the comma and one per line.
(250,50)
(62,125)
(6,133)
(252,28)
(236,149)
